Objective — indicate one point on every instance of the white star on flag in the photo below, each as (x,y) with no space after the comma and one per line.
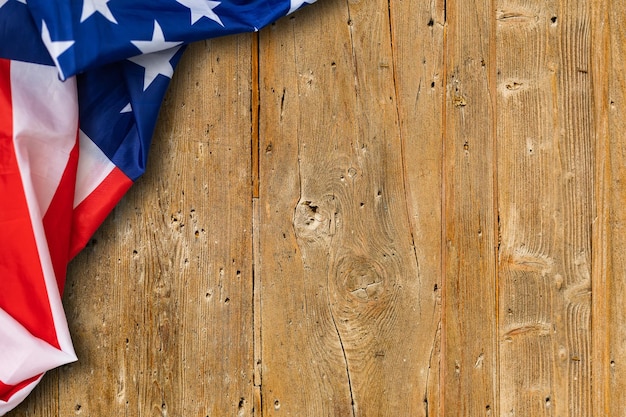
(96,6)
(202,8)
(157,43)
(295,4)
(127,108)
(56,48)
(3,2)
(155,64)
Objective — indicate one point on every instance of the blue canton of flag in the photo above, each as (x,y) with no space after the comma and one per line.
(81,84)
(85,34)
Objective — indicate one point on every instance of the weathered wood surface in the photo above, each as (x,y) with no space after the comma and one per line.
(382,208)
(340,282)
(546,151)
(609,330)
(469,221)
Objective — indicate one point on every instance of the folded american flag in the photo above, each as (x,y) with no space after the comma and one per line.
(81,83)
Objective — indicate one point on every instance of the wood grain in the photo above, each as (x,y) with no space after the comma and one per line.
(417,40)
(470,355)
(601,297)
(300,343)
(546,206)
(530,277)
(355,323)
(611,335)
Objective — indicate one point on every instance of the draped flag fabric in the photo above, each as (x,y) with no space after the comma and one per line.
(81,83)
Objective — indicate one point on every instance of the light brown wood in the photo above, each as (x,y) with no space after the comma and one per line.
(381,208)
(613,332)
(341,284)
(417,39)
(469,224)
(546,209)
(601,296)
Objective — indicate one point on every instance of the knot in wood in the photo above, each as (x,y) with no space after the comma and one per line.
(516,17)
(361,277)
(311,222)
(459,101)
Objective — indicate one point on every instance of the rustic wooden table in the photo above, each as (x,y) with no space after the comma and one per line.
(370,208)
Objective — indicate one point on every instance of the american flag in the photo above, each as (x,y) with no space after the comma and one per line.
(81,83)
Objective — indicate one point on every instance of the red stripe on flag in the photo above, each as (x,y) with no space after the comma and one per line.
(92,211)
(57,221)
(24,295)
(7,391)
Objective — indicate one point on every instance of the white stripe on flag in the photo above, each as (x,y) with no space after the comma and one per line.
(18,397)
(45,117)
(93,167)
(23,356)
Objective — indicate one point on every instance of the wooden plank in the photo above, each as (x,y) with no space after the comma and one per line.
(611,332)
(160,302)
(601,295)
(303,365)
(255,115)
(529,198)
(470,221)
(348,322)
(417,38)
(546,206)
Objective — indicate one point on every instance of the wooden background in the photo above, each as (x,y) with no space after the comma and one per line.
(370,208)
